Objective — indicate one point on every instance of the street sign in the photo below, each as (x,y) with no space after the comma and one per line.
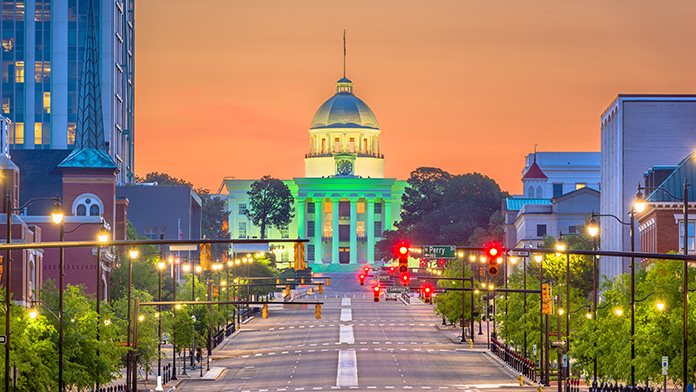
(439,251)
(565,360)
(534,350)
(519,253)
(383,277)
(397,290)
(558,343)
(439,290)
(665,365)
(3,339)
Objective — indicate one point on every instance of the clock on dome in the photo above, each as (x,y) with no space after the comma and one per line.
(344,168)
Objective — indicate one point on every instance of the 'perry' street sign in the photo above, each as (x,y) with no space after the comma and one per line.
(439,251)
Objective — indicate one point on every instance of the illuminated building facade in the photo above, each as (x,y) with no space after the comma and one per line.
(43,43)
(343,203)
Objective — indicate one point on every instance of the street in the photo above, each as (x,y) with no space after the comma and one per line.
(358,344)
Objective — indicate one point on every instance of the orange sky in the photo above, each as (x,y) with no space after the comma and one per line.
(229,87)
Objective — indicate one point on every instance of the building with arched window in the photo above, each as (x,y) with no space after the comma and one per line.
(343,203)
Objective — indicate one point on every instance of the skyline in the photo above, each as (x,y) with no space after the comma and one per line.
(452,78)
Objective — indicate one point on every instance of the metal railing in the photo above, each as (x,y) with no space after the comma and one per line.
(609,387)
(518,362)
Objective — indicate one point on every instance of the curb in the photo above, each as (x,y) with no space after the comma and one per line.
(507,369)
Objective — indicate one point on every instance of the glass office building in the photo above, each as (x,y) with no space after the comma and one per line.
(42,50)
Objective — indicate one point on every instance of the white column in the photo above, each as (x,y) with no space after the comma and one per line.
(370,231)
(334,232)
(300,209)
(353,231)
(318,229)
(387,221)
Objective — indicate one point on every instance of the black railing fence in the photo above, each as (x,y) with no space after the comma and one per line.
(609,387)
(518,362)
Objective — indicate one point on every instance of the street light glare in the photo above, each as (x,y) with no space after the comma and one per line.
(133,253)
(513,260)
(33,314)
(618,312)
(588,315)
(639,205)
(186,267)
(57,214)
(560,311)
(538,258)
(161,265)
(660,305)
(472,258)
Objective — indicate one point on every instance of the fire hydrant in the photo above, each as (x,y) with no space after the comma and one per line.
(540,388)
(521,379)
(471,345)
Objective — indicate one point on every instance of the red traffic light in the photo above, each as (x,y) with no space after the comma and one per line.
(362,279)
(493,251)
(376,289)
(441,262)
(401,249)
(405,279)
(391,270)
(424,262)
(427,289)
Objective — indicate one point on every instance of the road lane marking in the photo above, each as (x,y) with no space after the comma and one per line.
(345,302)
(346,334)
(346,315)
(347,374)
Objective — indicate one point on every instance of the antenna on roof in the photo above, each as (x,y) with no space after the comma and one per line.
(535,146)
(344,53)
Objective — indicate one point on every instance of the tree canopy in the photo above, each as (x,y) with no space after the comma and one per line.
(271,204)
(439,208)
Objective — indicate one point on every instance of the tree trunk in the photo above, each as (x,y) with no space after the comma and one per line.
(263,229)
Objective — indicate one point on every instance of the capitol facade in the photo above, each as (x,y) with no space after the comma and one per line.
(343,203)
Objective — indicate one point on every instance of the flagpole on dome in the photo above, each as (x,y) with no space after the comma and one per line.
(344,53)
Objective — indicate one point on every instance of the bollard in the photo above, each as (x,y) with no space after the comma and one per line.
(521,379)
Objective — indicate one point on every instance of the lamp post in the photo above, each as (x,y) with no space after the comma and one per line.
(132,255)
(593,231)
(631,225)
(543,326)
(160,265)
(639,207)
(57,218)
(174,262)
(186,268)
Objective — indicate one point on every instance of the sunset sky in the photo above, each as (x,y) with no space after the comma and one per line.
(229,88)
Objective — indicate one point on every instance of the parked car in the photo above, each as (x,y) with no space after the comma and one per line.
(390,297)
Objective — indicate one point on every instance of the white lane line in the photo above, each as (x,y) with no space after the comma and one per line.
(347,374)
(346,334)
(346,315)
(345,302)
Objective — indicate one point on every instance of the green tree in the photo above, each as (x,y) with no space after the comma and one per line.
(214,222)
(271,204)
(162,179)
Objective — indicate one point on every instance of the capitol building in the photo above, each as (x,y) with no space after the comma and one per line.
(343,203)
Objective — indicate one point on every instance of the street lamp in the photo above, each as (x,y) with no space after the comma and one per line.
(639,205)
(539,258)
(631,224)
(57,218)
(160,265)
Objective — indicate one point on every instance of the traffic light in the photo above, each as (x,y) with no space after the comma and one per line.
(392,270)
(206,258)
(424,263)
(401,251)
(493,252)
(367,270)
(428,291)
(362,279)
(375,291)
(216,291)
(299,256)
(405,279)
(321,289)
(317,311)
(441,262)
(546,299)
(264,311)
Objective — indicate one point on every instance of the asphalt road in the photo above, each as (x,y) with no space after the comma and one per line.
(358,344)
